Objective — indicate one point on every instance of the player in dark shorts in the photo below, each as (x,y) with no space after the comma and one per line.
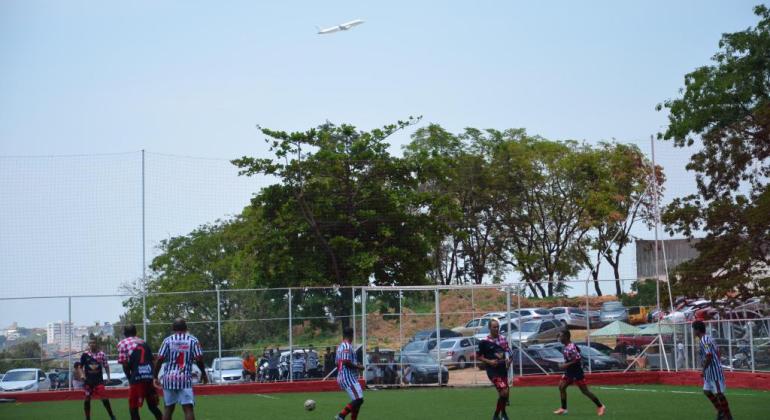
(573,374)
(492,355)
(136,357)
(94,362)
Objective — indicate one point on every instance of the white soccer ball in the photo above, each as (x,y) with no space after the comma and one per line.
(309,405)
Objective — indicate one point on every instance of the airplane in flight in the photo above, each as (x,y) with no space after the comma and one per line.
(343,27)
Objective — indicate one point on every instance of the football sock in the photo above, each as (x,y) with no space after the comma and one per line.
(348,408)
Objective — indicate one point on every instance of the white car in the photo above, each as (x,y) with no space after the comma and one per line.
(227,370)
(117,376)
(25,380)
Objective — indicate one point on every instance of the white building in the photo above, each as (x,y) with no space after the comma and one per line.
(58,332)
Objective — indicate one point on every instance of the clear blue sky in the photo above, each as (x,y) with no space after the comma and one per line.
(194,78)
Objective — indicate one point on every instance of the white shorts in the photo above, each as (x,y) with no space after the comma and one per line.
(354,391)
(178,396)
(716,387)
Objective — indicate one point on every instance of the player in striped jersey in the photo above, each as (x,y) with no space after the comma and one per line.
(347,375)
(713,377)
(179,350)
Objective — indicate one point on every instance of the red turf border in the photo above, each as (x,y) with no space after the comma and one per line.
(760,381)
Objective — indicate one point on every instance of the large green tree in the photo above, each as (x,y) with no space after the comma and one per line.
(345,211)
(725,109)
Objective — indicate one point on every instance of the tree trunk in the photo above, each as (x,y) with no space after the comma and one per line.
(542,291)
(595,275)
(618,287)
(550,284)
(532,288)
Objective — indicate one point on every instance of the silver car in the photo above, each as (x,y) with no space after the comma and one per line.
(537,332)
(613,311)
(572,317)
(457,352)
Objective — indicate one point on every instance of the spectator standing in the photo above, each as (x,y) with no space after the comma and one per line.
(298,365)
(312,363)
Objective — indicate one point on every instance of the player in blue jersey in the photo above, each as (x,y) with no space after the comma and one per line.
(713,376)
(347,375)
(179,350)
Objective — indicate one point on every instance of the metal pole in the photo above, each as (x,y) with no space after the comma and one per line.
(751,344)
(144,314)
(291,343)
(588,325)
(730,344)
(69,339)
(363,329)
(400,332)
(219,334)
(509,336)
(353,299)
(144,255)
(438,332)
(518,306)
(655,203)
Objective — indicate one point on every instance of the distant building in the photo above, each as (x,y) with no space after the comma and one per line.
(677,251)
(57,333)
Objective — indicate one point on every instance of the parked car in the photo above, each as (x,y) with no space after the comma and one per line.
(52,377)
(638,315)
(227,370)
(603,349)
(613,311)
(472,327)
(537,332)
(547,357)
(422,346)
(427,334)
(423,369)
(456,352)
(117,376)
(484,332)
(570,317)
(25,380)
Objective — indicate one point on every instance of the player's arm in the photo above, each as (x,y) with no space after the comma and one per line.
(202,367)
(708,359)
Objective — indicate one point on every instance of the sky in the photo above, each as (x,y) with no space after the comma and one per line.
(86,85)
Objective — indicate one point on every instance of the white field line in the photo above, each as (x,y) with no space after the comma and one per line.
(270,397)
(669,391)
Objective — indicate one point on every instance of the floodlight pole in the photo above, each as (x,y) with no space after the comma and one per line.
(144,257)
(438,332)
(219,333)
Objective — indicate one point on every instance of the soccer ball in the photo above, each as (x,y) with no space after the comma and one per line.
(309,405)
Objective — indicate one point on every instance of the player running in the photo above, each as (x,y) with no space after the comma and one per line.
(573,374)
(94,363)
(713,377)
(347,376)
(495,354)
(179,350)
(136,357)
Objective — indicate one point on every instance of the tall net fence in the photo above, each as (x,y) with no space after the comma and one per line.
(413,336)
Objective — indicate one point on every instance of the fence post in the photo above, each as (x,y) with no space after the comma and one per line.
(400,333)
(353,300)
(291,343)
(588,323)
(144,315)
(69,339)
(750,325)
(730,344)
(518,306)
(219,333)
(438,333)
(363,330)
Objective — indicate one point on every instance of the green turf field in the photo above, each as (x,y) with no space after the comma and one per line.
(647,403)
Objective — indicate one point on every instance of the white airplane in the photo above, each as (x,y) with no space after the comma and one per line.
(344,27)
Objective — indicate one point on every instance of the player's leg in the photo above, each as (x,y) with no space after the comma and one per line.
(587,392)
(358,402)
(563,384)
(135,395)
(724,407)
(87,407)
(502,402)
(189,412)
(349,406)
(170,397)
(151,396)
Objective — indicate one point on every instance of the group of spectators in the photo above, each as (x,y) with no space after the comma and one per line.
(304,364)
